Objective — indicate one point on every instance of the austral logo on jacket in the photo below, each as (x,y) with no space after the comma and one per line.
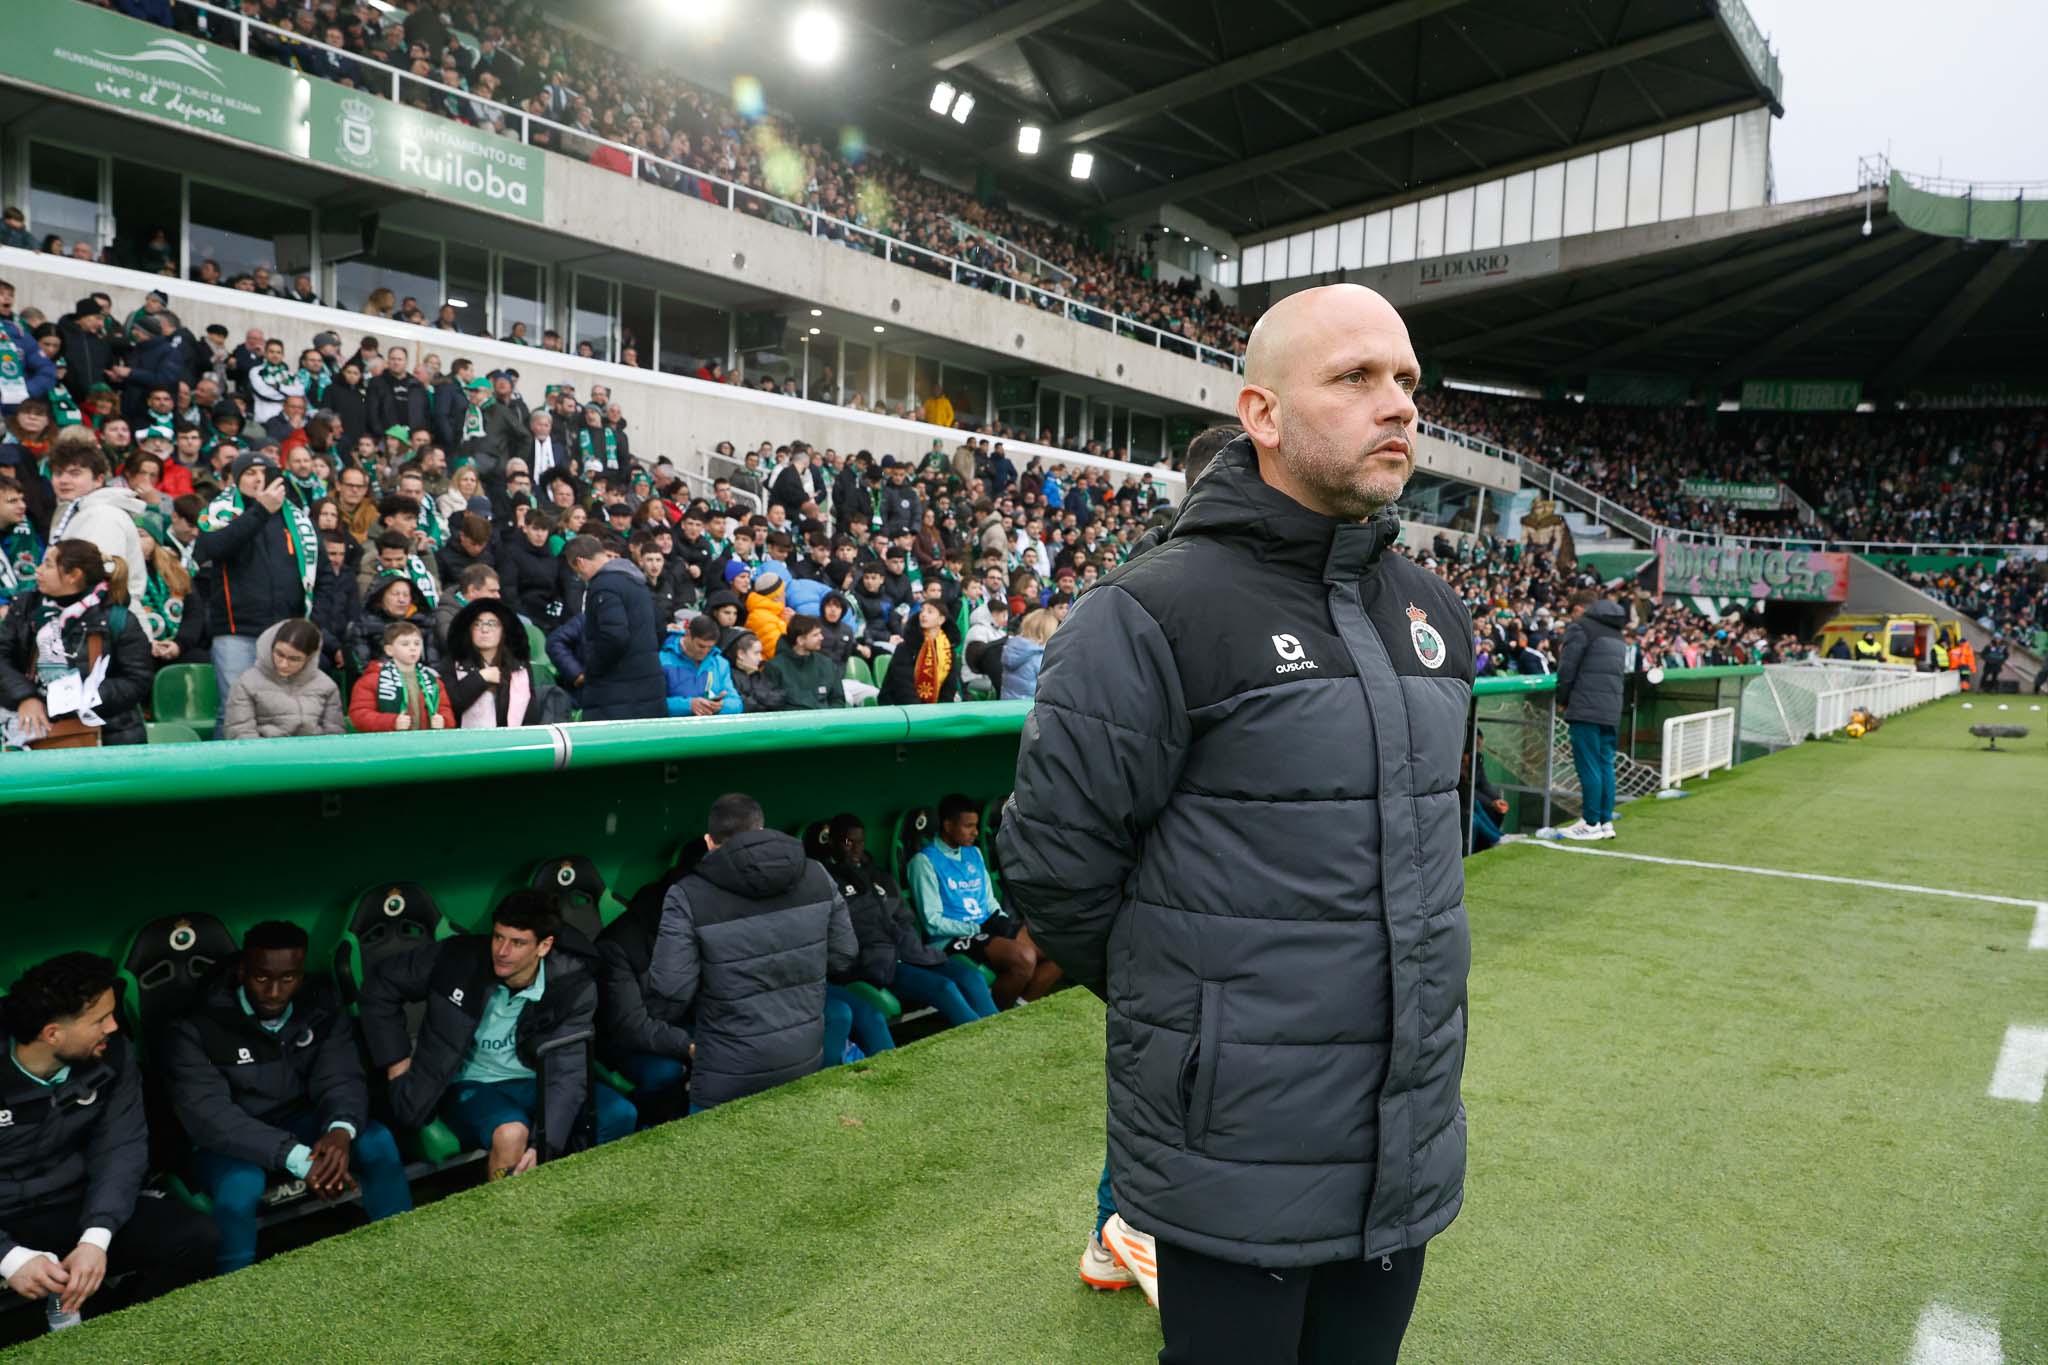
(1429,645)
(1291,652)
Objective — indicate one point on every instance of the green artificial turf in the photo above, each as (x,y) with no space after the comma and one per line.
(1714,1117)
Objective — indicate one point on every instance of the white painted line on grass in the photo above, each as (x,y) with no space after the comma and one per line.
(2039,939)
(1805,877)
(1947,1337)
(2022,1070)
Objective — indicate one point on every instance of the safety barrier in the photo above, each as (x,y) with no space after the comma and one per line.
(1884,697)
(1697,744)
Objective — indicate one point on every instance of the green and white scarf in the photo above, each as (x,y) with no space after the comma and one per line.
(432,521)
(299,534)
(63,407)
(161,613)
(473,421)
(611,447)
(315,385)
(391,689)
(307,490)
(20,552)
(422,584)
(13,376)
(277,376)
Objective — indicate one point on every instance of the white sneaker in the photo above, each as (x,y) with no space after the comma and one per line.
(1137,1253)
(1607,829)
(1102,1270)
(1580,831)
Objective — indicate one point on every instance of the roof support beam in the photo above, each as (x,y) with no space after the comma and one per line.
(1636,293)
(1848,305)
(1250,67)
(1481,97)
(1956,313)
(1771,289)
(959,46)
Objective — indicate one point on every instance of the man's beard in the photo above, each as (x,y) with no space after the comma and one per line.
(1348,488)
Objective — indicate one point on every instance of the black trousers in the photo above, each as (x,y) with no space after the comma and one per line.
(1344,1313)
(163,1246)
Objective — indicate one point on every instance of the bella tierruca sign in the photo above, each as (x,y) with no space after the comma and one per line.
(1690,569)
(139,68)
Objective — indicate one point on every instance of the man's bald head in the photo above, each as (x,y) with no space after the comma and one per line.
(1327,399)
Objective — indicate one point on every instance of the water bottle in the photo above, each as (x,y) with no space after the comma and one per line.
(57,1316)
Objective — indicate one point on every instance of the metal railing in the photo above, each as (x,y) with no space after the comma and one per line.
(1608,512)
(1884,697)
(962,229)
(642,165)
(1697,744)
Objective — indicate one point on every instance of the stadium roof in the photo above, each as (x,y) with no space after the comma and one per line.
(1259,116)
(1784,291)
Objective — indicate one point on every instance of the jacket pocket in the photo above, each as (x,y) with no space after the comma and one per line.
(1198,1072)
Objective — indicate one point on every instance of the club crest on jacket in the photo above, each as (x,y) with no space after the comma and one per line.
(1429,645)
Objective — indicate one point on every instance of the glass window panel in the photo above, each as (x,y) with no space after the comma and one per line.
(1610,195)
(241,232)
(1323,254)
(1254,271)
(522,298)
(1518,199)
(968,390)
(1717,146)
(469,275)
(404,264)
(636,325)
(1486,214)
(1681,159)
(1351,244)
(1645,180)
(63,195)
(1429,228)
(1458,220)
(1549,210)
(1578,195)
(1401,244)
(691,334)
(145,204)
(591,318)
(1376,237)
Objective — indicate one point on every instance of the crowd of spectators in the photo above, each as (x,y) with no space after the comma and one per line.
(1519,601)
(1949,477)
(2009,599)
(510,55)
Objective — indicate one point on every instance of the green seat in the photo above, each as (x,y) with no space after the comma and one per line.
(857,670)
(390,918)
(587,905)
(883,1000)
(186,693)
(543,672)
(536,642)
(171,732)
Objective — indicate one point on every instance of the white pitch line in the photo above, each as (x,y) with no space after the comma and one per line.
(2022,1070)
(2041,908)
(1947,1337)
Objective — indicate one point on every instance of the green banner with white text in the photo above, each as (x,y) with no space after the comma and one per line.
(137,68)
(1802,395)
(419,151)
(1758,495)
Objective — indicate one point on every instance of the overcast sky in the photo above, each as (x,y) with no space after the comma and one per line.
(1959,87)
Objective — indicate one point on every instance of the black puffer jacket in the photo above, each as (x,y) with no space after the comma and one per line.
(1236,818)
(129,672)
(883,923)
(635,1019)
(748,939)
(621,649)
(1590,666)
(531,579)
(454,978)
(233,1080)
(83,1139)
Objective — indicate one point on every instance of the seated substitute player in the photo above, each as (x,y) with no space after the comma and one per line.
(265,1076)
(956,906)
(492,1001)
(74,1149)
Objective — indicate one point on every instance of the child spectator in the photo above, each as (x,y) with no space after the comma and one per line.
(284,693)
(926,667)
(388,602)
(1024,651)
(491,684)
(757,691)
(397,691)
(74,620)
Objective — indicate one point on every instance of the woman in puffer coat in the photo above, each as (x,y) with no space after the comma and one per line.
(490,680)
(285,693)
(1024,651)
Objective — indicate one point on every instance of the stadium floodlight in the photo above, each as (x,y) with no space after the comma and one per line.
(817,312)
(942,97)
(814,331)
(1027,139)
(878,327)
(962,107)
(1082,166)
(814,37)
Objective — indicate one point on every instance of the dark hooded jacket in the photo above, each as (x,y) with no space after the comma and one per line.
(1591,663)
(531,579)
(1266,883)
(466,685)
(748,938)
(454,977)
(84,1139)
(366,631)
(234,1082)
(621,647)
(883,922)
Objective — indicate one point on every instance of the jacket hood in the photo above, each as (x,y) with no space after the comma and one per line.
(765,601)
(616,567)
(1231,502)
(119,499)
(373,596)
(268,668)
(759,863)
(515,642)
(1612,615)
